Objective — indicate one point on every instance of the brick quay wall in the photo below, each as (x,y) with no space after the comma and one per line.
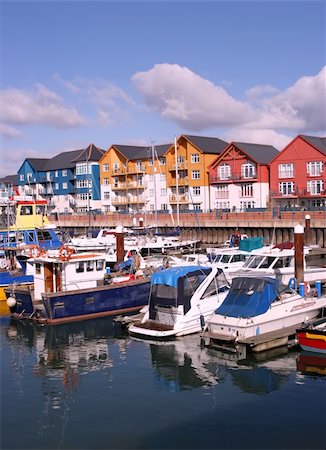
(211,228)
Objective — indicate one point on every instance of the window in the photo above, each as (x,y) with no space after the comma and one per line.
(247,190)
(162,161)
(64,185)
(89,266)
(286,187)
(37,268)
(56,173)
(105,167)
(64,173)
(163,191)
(162,177)
(56,186)
(150,162)
(29,176)
(139,165)
(223,205)
(83,196)
(195,158)
(79,266)
(48,176)
(106,195)
(224,172)
(315,187)
(81,169)
(196,190)
(164,207)
(195,174)
(99,264)
(151,192)
(248,170)
(222,192)
(151,177)
(106,181)
(247,205)
(197,206)
(286,170)
(21,177)
(84,183)
(315,168)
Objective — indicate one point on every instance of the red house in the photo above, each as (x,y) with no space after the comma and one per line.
(239,176)
(297,174)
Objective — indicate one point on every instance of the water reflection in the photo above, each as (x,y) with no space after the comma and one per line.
(311,364)
(65,352)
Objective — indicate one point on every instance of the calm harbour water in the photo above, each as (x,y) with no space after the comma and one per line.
(88,385)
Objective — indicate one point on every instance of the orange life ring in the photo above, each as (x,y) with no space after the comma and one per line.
(35,251)
(65,252)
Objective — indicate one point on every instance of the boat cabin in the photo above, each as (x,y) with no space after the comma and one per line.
(67,273)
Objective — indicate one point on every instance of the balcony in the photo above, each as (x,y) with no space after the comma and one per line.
(232,178)
(119,171)
(181,182)
(296,193)
(181,166)
(181,198)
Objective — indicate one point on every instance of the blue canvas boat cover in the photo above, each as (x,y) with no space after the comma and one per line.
(249,297)
(170,277)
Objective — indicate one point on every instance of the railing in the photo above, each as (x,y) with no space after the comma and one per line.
(234,177)
(181,166)
(182,198)
(297,193)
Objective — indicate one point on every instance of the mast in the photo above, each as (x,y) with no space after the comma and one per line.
(176,179)
(155,194)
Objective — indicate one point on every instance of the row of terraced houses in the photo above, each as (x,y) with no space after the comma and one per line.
(192,173)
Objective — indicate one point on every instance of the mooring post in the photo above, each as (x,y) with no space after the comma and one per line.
(307,230)
(298,253)
(120,248)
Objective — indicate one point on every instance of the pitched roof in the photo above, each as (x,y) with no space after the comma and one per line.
(63,160)
(132,152)
(317,142)
(207,144)
(91,153)
(10,179)
(260,153)
(38,164)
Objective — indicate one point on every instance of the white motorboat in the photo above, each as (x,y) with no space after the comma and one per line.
(279,262)
(260,313)
(229,260)
(181,299)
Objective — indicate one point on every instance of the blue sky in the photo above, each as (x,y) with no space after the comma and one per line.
(133,72)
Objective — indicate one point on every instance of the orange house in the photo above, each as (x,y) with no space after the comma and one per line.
(297,174)
(186,171)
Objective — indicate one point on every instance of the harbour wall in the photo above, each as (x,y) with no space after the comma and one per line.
(210,228)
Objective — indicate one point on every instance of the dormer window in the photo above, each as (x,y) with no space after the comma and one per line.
(248,170)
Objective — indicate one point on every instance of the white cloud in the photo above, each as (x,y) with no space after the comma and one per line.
(194,103)
(15,158)
(8,131)
(301,107)
(260,136)
(38,106)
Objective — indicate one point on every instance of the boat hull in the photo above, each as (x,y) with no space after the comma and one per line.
(312,340)
(82,304)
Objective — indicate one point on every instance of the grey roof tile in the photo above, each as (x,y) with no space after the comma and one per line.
(260,153)
(209,145)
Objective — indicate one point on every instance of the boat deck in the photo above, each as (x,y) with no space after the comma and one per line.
(153,325)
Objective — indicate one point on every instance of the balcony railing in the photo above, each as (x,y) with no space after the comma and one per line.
(232,178)
(181,166)
(298,193)
(181,182)
(181,198)
(130,168)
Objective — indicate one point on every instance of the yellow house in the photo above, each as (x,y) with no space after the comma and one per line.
(187,171)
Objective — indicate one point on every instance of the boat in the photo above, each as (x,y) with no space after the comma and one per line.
(259,314)
(279,261)
(313,337)
(181,298)
(13,269)
(25,226)
(75,286)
